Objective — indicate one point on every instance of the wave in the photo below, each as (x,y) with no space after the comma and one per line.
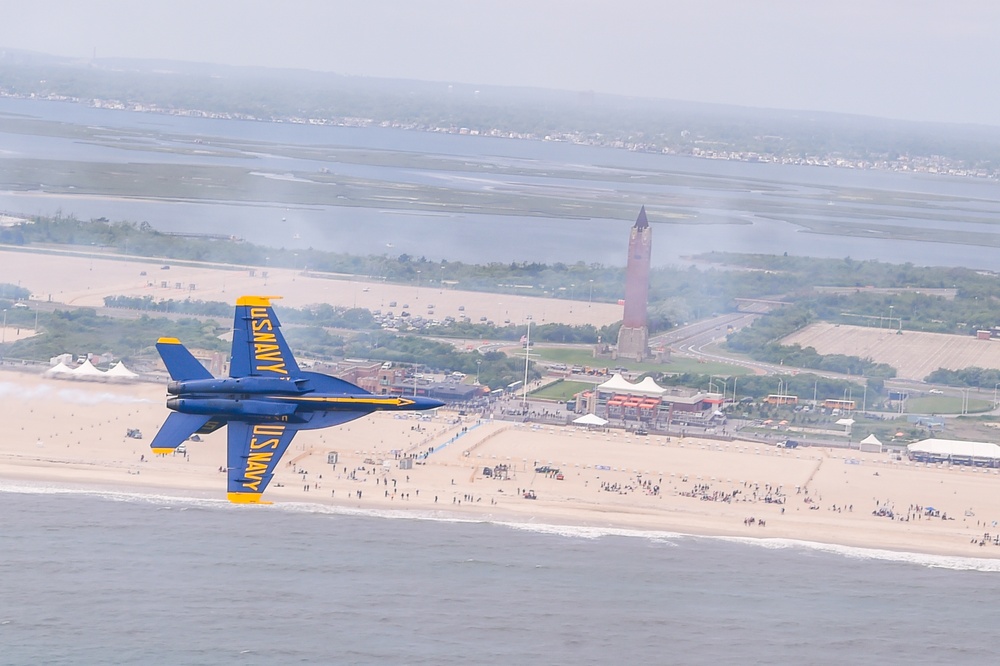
(953,562)
(41,488)
(661,537)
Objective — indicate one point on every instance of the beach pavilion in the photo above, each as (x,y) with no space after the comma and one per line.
(648,404)
(955,452)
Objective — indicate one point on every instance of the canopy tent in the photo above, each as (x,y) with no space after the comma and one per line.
(590,420)
(619,384)
(119,370)
(871,444)
(59,368)
(955,451)
(87,369)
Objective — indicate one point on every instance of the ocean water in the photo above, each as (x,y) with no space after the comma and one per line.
(88,578)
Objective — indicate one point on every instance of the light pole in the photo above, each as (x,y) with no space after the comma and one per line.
(994,392)
(527,348)
(591,301)
(4,339)
(725,385)
(478,363)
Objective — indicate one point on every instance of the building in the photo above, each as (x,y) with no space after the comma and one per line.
(647,404)
(392,379)
(633,338)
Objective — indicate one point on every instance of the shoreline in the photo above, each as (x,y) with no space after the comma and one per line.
(68,436)
(937,559)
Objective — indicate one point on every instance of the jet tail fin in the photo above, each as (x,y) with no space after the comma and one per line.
(176,429)
(181,365)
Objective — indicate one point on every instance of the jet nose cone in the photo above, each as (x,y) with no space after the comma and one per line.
(427,403)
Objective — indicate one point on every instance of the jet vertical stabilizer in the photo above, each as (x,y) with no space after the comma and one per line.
(180,363)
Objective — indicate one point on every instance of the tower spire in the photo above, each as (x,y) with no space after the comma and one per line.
(641,222)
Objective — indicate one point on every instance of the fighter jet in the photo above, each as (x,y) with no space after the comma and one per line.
(265,400)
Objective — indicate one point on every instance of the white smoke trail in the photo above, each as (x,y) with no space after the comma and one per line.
(10,390)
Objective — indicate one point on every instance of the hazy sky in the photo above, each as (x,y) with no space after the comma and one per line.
(909,59)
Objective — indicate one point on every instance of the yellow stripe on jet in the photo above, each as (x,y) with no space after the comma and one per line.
(168,341)
(245,498)
(257,301)
(390,402)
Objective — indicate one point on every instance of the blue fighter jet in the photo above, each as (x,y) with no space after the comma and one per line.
(265,400)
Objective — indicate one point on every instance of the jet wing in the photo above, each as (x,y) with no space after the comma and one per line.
(253,453)
(177,428)
(259,348)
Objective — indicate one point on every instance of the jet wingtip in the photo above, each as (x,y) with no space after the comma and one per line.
(256,301)
(245,498)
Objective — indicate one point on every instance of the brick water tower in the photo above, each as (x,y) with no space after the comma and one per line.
(633,338)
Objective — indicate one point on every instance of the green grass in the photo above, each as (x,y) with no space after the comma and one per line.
(563,390)
(575,356)
(944,405)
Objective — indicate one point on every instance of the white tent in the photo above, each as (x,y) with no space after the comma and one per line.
(943,450)
(59,368)
(119,371)
(871,444)
(86,370)
(619,384)
(590,420)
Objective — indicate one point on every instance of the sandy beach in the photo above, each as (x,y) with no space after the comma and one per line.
(71,434)
(77,280)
